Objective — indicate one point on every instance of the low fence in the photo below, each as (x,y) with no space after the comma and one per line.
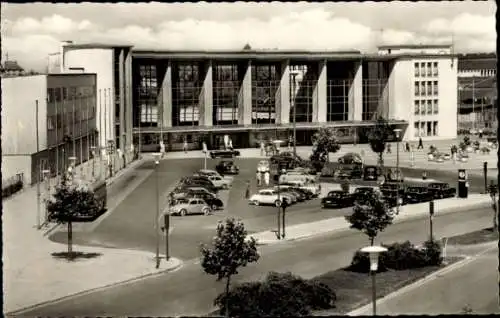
(12,185)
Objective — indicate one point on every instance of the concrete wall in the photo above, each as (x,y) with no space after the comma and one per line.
(19,95)
(448,99)
(401,94)
(99,61)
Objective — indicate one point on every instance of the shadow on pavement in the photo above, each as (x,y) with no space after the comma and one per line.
(74,256)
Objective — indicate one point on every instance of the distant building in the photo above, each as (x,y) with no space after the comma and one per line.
(477,91)
(66,107)
(11,68)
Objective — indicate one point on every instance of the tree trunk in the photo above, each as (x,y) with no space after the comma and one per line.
(371,240)
(381,160)
(70,239)
(495,223)
(228,282)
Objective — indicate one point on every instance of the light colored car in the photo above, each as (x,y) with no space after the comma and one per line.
(219,182)
(202,189)
(263,166)
(184,207)
(293,173)
(267,196)
(208,173)
(287,194)
(313,187)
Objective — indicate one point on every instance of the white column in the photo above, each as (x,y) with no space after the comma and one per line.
(121,79)
(356,94)
(245,97)
(166,97)
(284,94)
(207,97)
(320,90)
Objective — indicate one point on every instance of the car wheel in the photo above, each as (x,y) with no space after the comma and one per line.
(206,211)
(255,202)
(183,212)
(214,207)
(277,203)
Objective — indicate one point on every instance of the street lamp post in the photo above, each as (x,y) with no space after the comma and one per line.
(46,178)
(374,252)
(278,205)
(294,74)
(397,131)
(157,218)
(71,169)
(92,149)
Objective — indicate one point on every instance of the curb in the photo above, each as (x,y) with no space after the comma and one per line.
(344,229)
(91,290)
(468,259)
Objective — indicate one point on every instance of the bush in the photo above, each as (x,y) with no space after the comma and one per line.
(467,141)
(279,295)
(400,256)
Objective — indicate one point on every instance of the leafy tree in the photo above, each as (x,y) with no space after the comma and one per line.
(378,138)
(493,190)
(72,204)
(371,214)
(324,142)
(230,251)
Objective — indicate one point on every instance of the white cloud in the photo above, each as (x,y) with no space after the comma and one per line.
(29,40)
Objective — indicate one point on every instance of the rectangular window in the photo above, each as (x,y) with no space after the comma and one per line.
(416,129)
(417,107)
(422,88)
(422,107)
(417,70)
(50,123)
(50,95)
(429,128)
(436,91)
(422,129)
(429,69)
(429,89)
(64,93)
(435,128)
(57,94)
(422,69)
(429,107)
(435,69)
(436,106)
(417,89)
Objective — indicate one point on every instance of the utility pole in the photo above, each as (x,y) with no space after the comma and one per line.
(294,97)
(38,191)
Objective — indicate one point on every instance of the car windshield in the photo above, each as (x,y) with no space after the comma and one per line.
(334,194)
(182,201)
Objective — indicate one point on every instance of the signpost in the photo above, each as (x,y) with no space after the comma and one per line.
(431,216)
(166,230)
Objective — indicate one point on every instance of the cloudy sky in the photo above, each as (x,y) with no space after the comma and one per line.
(31,31)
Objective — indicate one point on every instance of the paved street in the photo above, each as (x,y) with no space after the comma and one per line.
(131,224)
(474,285)
(191,292)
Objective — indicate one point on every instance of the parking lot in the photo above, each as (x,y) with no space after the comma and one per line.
(136,214)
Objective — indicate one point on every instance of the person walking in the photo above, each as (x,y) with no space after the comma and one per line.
(388,148)
(420,143)
(185,146)
(262,149)
(247,191)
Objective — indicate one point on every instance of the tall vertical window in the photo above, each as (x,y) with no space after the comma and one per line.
(416,129)
(417,107)
(417,88)
(422,69)
(301,92)
(436,106)
(429,88)
(429,107)
(436,91)
(148,95)
(417,69)
(422,88)
(435,128)
(187,87)
(435,69)
(338,100)
(422,107)
(265,83)
(226,87)
(429,69)
(429,128)
(423,131)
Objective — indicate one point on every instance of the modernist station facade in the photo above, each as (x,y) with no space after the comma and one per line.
(251,94)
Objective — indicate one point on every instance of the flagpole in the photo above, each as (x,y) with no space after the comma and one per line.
(57,137)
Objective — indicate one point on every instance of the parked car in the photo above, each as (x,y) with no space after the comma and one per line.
(227,167)
(360,191)
(441,190)
(301,195)
(349,171)
(190,206)
(219,182)
(224,154)
(306,192)
(213,202)
(198,183)
(392,188)
(208,173)
(337,199)
(313,187)
(392,198)
(184,190)
(269,197)
(417,195)
(286,157)
(371,173)
(351,158)
(287,192)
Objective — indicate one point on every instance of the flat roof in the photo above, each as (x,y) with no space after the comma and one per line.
(70,74)
(414,46)
(96,45)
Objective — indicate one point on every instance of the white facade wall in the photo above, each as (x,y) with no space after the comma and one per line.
(19,95)
(99,61)
(412,50)
(448,98)
(401,94)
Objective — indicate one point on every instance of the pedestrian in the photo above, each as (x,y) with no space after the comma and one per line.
(185,146)
(388,148)
(162,148)
(247,191)
(262,149)
(258,177)
(420,143)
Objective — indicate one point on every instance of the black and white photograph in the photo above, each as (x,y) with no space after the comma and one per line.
(249,159)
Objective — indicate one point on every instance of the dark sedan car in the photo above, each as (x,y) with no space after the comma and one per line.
(227,167)
(224,154)
(287,158)
(441,190)
(337,199)
(214,202)
(189,181)
(417,195)
(307,194)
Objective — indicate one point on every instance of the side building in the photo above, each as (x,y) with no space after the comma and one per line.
(255,95)
(40,113)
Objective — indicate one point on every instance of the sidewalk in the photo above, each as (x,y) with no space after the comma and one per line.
(338,224)
(33,276)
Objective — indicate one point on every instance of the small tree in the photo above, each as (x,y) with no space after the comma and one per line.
(378,138)
(324,142)
(371,214)
(71,203)
(230,251)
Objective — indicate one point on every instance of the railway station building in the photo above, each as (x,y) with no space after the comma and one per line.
(253,95)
